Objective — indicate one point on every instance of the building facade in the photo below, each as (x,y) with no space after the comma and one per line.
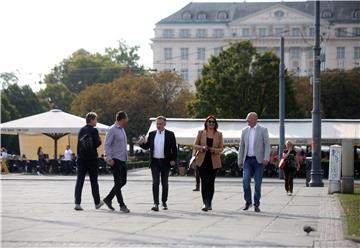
(185,40)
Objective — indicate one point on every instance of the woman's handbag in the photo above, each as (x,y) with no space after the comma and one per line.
(192,162)
(282,163)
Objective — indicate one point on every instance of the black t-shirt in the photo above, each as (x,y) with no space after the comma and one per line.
(291,159)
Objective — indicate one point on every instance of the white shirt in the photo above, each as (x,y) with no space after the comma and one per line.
(67,155)
(251,147)
(159,144)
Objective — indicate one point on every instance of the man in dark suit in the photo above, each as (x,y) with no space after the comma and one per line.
(163,153)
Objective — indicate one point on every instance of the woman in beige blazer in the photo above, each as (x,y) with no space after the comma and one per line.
(208,145)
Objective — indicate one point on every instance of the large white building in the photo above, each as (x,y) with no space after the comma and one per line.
(185,40)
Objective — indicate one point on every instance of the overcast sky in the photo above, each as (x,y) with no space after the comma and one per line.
(38,34)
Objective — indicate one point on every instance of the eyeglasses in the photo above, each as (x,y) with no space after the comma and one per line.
(211,122)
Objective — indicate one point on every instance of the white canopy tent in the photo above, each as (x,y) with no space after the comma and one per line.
(299,131)
(54,124)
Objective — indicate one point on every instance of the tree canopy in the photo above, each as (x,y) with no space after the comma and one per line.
(239,81)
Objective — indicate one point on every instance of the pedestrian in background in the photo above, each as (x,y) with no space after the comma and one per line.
(291,166)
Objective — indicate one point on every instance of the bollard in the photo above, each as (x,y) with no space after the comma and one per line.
(335,169)
(347,183)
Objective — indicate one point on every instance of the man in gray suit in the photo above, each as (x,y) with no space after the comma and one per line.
(254,154)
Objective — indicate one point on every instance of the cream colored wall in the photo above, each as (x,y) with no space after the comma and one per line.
(30,143)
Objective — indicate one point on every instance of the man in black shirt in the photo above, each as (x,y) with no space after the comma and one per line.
(88,142)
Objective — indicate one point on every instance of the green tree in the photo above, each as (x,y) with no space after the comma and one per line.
(83,69)
(56,96)
(17,102)
(173,94)
(125,55)
(239,81)
(7,78)
(139,95)
(340,94)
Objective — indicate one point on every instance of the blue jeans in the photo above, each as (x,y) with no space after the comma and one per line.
(252,169)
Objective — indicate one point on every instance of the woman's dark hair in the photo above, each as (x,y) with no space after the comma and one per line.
(121,115)
(206,121)
(39,150)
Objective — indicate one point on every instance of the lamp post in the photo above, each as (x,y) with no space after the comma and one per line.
(316,175)
(281,103)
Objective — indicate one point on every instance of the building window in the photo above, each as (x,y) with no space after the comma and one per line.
(217,51)
(184,52)
(186,15)
(356,52)
(199,73)
(245,32)
(262,32)
(340,32)
(201,33)
(276,51)
(261,50)
(218,33)
(168,33)
(167,53)
(295,32)
(184,33)
(356,14)
(295,52)
(356,32)
(201,53)
(340,52)
(201,16)
(326,14)
(222,15)
(310,53)
(184,73)
(279,32)
(311,32)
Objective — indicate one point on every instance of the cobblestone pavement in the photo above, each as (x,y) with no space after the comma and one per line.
(37,211)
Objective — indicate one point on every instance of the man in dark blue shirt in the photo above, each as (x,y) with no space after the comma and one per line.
(88,142)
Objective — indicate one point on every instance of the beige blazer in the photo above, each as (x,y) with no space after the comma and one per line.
(261,146)
(218,145)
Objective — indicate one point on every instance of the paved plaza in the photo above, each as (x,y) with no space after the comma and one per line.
(37,211)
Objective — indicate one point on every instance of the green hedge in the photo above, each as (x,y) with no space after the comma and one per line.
(137,164)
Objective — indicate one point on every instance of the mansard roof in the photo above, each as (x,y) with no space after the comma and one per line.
(225,12)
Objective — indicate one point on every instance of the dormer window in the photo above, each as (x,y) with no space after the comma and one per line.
(222,15)
(327,14)
(356,14)
(201,16)
(186,15)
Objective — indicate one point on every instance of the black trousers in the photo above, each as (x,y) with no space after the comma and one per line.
(207,175)
(159,169)
(289,174)
(119,171)
(85,166)
(197,176)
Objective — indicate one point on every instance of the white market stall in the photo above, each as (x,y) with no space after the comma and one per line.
(299,131)
(52,130)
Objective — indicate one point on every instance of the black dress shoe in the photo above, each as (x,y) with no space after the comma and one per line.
(209,208)
(155,208)
(108,204)
(257,209)
(204,208)
(247,206)
(164,206)
(196,189)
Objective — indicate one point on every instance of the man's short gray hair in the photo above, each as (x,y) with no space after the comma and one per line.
(251,114)
(163,118)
